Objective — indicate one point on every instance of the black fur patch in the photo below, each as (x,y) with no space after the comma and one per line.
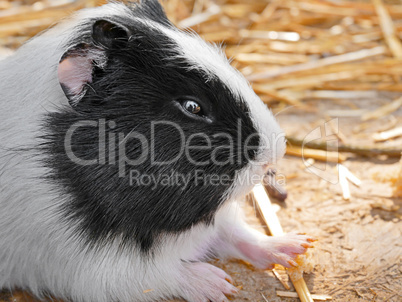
(142,83)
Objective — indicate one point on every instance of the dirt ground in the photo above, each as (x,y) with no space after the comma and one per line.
(358,255)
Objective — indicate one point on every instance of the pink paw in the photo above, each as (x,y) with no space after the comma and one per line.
(203,282)
(281,250)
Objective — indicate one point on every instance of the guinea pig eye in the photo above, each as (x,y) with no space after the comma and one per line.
(192,107)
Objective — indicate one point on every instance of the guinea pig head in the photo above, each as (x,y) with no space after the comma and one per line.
(163,131)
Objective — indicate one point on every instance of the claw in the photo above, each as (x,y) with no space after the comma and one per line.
(292,263)
(311,239)
(229,280)
(306,245)
(235,290)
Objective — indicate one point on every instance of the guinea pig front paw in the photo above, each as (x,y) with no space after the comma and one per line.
(203,282)
(277,250)
(286,248)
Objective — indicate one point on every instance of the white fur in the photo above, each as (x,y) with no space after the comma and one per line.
(38,252)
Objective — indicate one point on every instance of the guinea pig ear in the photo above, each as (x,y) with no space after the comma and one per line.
(77,65)
(109,35)
(153,10)
(75,71)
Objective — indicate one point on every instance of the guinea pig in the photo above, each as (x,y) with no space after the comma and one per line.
(126,147)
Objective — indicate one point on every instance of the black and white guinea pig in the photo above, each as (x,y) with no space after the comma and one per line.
(93,111)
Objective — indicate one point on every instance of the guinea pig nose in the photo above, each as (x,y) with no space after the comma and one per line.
(265,168)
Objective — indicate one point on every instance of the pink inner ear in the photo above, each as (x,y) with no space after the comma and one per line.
(74,72)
